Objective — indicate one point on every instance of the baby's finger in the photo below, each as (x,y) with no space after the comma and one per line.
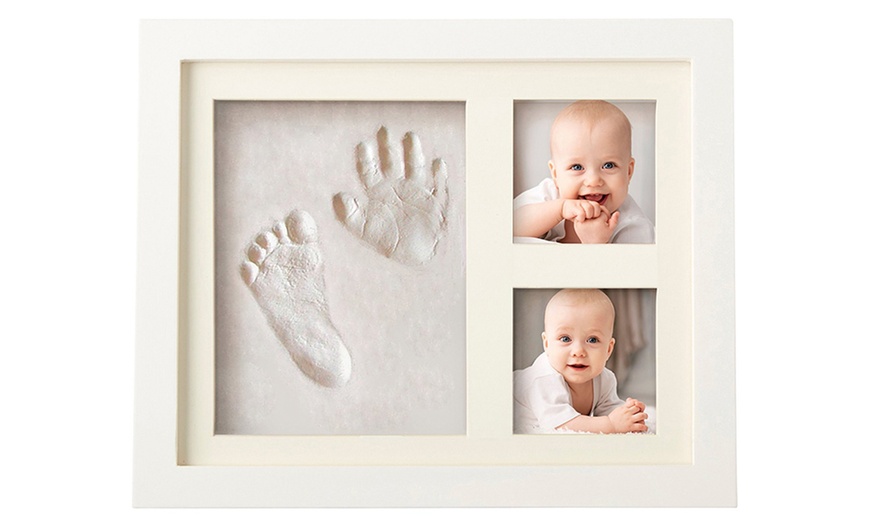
(572,210)
(604,213)
(590,209)
(439,175)
(391,165)
(614,219)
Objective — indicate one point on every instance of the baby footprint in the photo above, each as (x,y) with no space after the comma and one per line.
(402,216)
(284,271)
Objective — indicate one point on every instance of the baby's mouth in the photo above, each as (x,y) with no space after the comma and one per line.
(595,197)
(578,366)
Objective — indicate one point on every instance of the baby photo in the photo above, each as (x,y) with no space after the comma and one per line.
(584,172)
(339,268)
(584,361)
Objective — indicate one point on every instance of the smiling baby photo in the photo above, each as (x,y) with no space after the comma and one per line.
(584,361)
(584,172)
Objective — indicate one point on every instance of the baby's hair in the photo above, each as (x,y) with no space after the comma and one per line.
(580,296)
(592,111)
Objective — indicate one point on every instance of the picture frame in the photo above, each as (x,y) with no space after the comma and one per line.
(685,65)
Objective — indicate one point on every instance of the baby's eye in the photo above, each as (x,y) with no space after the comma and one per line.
(609,165)
(565,339)
(592,340)
(576,167)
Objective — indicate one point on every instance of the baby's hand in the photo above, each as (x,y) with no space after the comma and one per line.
(581,210)
(598,229)
(636,402)
(629,418)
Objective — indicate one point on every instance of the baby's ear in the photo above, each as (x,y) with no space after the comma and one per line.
(610,347)
(544,339)
(630,169)
(552,167)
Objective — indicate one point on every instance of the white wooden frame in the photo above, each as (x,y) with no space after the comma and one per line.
(685,65)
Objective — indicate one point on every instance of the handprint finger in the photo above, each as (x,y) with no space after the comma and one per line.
(414,160)
(367,165)
(350,212)
(439,176)
(391,165)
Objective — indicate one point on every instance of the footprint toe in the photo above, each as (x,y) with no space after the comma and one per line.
(256,253)
(249,272)
(267,240)
(280,231)
(301,227)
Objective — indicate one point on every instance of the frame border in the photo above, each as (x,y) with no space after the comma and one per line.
(710,480)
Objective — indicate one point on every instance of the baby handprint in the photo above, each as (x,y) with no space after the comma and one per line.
(402,215)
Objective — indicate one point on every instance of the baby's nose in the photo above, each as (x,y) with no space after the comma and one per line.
(592,178)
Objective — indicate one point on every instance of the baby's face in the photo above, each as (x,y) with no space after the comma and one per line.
(592,161)
(578,340)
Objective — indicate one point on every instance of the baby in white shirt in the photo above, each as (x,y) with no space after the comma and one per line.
(568,386)
(585,199)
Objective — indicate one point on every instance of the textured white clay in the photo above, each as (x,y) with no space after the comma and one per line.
(284,271)
(402,215)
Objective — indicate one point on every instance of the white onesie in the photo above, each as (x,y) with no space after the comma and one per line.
(542,400)
(633,227)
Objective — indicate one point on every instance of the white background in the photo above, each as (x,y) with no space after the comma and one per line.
(68,223)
